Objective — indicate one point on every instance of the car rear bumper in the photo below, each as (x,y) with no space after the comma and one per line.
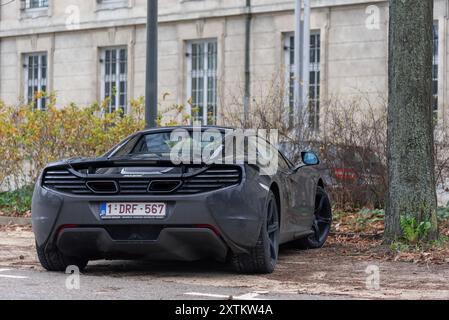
(172,244)
(230,217)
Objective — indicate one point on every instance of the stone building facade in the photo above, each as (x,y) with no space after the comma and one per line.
(86,50)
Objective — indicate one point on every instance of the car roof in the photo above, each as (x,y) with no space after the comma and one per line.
(189,128)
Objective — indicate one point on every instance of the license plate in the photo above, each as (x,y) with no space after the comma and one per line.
(132,210)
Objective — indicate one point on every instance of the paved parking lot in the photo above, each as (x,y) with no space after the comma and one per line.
(119,284)
(322,274)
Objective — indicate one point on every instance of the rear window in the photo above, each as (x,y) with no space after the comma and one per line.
(161,144)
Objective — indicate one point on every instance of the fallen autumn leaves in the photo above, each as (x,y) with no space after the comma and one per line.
(359,234)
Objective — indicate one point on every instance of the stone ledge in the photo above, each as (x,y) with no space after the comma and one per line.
(15,221)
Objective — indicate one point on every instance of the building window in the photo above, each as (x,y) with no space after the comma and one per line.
(435,72)
(112,4)
(291,75)
(115,75)
(111,1)
(202,81)
(314,82)
(34,4)
(36,79)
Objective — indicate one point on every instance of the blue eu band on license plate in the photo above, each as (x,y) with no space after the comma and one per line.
(103,209)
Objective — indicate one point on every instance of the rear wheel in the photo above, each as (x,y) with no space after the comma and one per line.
(321,224)
(263,257)
(54,260)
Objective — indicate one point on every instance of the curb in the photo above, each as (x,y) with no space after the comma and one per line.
(15,221)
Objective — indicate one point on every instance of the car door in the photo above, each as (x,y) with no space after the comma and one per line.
(295,188)
(302,190)
(290,218)
(273,165)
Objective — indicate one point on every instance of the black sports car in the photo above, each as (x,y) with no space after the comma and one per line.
(145,199)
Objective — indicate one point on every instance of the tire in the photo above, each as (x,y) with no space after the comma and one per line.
(262,259)
(54,260)
(321,225)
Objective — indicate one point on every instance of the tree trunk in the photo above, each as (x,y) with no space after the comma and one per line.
(412,189)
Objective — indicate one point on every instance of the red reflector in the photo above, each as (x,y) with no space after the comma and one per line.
(210,227)
(66,226)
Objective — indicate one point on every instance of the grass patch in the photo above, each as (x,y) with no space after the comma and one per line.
(16,203)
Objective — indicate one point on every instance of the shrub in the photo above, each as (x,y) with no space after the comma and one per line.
(414,231)
(29,139)
(351,142)
(16,202)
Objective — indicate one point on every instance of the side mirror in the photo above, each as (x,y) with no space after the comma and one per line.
(310,158)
